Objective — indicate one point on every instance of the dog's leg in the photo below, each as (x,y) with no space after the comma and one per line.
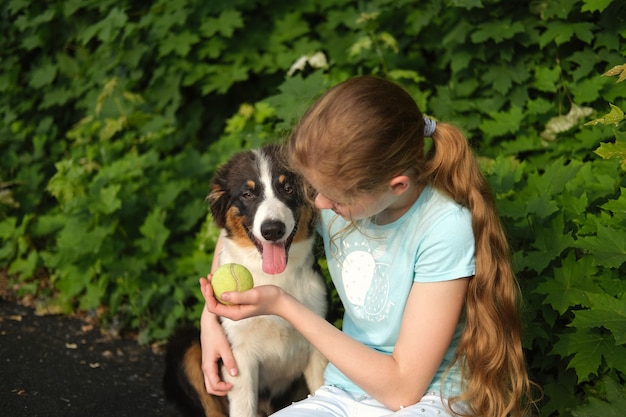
(243,397)
(314,371)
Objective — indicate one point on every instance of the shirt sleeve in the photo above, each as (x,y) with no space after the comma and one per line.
(447,251)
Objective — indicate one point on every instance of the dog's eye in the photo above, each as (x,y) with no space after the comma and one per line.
(289,189)
(247,195)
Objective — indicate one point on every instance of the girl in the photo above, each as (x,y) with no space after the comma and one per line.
(418,256)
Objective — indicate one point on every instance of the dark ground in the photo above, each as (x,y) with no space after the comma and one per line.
(53,366)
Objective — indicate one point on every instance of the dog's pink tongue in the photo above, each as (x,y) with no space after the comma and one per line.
(274,258)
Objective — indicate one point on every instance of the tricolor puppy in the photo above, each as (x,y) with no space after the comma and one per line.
(268,226)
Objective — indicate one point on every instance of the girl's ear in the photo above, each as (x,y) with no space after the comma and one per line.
(399,184)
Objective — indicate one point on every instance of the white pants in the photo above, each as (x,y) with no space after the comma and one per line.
(335,402)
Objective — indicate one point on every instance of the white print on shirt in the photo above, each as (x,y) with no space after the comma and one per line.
(357,271)
(365,282)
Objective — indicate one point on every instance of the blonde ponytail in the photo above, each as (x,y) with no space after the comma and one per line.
(490,349)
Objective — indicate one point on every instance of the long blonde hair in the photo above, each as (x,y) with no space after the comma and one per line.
(367,130)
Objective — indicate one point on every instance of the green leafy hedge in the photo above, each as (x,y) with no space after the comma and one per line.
(116,113)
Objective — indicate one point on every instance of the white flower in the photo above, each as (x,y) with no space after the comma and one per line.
(316,60)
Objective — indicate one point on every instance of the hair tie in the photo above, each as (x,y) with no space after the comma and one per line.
(429,126)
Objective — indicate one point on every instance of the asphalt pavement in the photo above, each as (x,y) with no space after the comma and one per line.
(55,366)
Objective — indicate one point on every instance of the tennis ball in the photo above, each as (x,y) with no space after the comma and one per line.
(231,277)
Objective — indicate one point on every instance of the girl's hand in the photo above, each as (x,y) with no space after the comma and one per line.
(215,346)
(257,301)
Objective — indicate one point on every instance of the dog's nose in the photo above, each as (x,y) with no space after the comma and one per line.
(273,230)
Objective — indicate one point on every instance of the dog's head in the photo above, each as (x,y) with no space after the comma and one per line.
(259,201)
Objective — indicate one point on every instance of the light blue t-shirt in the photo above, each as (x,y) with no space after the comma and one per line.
(373,268)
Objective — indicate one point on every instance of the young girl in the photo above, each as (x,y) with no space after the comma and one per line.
(418,256)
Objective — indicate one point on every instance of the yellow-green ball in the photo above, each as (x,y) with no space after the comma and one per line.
(231,277)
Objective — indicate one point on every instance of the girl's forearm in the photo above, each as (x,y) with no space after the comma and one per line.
(209,320)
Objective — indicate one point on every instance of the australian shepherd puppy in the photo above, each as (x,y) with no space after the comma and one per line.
(267,224)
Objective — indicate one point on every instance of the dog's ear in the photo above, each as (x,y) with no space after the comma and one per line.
(219,198)
(221,195)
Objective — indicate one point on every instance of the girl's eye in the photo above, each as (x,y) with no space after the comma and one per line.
(333,202)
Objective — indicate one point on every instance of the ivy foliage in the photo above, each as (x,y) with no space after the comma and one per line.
(115,114)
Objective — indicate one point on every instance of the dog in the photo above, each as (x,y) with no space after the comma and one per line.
(268,225)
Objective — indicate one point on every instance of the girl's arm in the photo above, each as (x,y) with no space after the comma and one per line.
(214,344)
(400,379)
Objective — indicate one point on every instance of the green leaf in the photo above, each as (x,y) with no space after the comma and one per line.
(457,34)
(107,29)
(598,180)
(504,173)
(78,238)
(521,144)
(107,201)
(503,122)
(551,240)
(15,6)
(541,206)
(25,267)
(497,30)
(557,32)
(179,43)
(112,126)
(56,96)
(570,285)
(362,44)
(539,106)
(499,78)
(170,191)
(602,317)
(550,9)
(614,150)
(572,205)
(296,94)
(584,31)
(155,234)
(223,77)
(587,90)
(226,24)
(612,406)
(8,228)
(287,27)
(547,79)
(618,206)
(94,294)
(588,349)
(561,32)
(460,60)
(595,6)
(43,75)
(72,281)
(614,117)
(467,4)
(554,178)
(608,246)
(585,62)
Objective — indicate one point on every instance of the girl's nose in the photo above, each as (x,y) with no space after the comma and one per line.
(322,202)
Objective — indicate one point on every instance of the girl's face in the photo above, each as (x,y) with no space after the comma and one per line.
(365,205)
(362,207)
